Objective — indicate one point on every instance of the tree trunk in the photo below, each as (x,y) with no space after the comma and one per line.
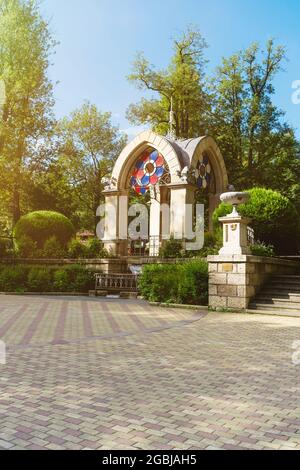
(16,211)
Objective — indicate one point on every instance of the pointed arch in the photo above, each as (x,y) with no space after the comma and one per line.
(132,151)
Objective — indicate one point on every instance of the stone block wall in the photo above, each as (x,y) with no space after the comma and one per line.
(235,279)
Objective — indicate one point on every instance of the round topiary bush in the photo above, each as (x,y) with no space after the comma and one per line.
(274,219)
(42,225)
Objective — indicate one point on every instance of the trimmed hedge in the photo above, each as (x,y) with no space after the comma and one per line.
(275,220)
(24,278)
(41,225)
(182,283)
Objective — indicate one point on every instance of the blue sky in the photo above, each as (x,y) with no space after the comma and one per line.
(99,39)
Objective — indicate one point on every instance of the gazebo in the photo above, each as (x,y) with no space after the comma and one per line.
(169,171)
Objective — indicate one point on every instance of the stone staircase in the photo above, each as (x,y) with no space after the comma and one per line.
(280,295)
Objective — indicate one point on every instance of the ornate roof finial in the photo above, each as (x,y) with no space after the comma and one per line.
(172,123)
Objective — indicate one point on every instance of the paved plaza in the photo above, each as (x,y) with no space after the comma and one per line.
(84,373)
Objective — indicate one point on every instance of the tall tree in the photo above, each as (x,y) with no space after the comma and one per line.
(89,146)
(25,48)
(181,82)
(258,145)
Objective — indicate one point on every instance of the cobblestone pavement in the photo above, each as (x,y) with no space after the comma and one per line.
(108,374)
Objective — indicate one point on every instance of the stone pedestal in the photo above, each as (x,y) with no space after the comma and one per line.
(235,279)
(235,237)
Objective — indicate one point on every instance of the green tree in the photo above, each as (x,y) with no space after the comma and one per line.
(89,146)
(181,82)
(26,120)
(258,145)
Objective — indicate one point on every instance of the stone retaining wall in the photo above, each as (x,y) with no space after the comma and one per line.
(105,265)
(235,279)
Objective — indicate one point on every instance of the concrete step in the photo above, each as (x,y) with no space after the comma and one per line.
(287,286)
(280,313)
(285,294)
(256,305)
(278,298)
(286,276)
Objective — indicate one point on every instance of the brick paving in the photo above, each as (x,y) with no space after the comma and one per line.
(109,374)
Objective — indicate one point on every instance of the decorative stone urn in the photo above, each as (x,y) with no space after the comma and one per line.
(235,199)
(235,227)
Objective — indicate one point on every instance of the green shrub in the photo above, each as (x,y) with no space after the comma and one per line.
(158,282)
(13,278)
(261,249)
(185,283)
(53,249)
(172,249)
(274,219)
(61,281)
(77,249)
(40,226)
(193,285)
(95,249)
(83,280)
(22,278)
(39,280)
(27,248)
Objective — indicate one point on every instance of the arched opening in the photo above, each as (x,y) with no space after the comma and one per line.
(147,184)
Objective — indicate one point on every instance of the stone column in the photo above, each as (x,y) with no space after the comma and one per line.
(155,222)
(110,221)
(123,223)
(116,222)
(181,195)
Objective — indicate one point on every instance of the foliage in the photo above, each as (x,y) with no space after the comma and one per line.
(13,278)
(259,147)
(25,278)
(172,249)
(39,279)
(27,120)
(77,249)
(53,249)
(185,283)
(73,279)
(89,146)
(213,241)
(235,107)
(26,247)
(92,249)
(61,281)
(274,219)
(41,225)
(181,82)
(4,247)
(95,249)
(261,249)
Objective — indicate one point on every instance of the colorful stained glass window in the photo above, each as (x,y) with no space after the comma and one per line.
(203,172)
(147,172)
